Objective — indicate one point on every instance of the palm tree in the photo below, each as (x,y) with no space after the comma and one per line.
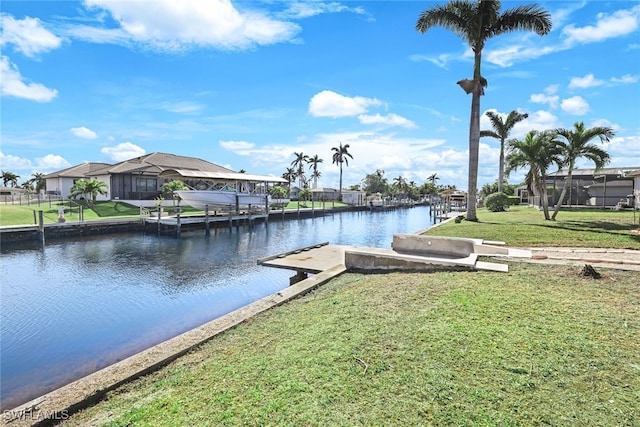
(290,176)
(39,182)
(501,130)
(433,178)
(9,178)
(577,145)
(299,162)
(400,183)
(90,187)
(537,151)
(476,22)
(341,155)
(313,166)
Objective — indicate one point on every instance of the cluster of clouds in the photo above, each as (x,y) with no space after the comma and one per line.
(223,25)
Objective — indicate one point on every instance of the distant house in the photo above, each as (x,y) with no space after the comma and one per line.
(635,175)
(135,179)
(604,187)
(354,197)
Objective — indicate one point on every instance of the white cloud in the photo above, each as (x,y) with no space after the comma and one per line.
(27,35)
(13,163)
(299,9)
(619,23)
(626,79)
(585,82)
(84,133)
(508,56)
(605,123)
(575,105)
(51,162)
(330,104)
(179,25)
(386,120)
(12,84)
(237,146)
(541,98)
(123,151)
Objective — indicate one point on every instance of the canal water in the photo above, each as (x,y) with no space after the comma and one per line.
(77,306)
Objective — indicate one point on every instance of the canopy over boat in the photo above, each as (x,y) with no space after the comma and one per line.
(222,176)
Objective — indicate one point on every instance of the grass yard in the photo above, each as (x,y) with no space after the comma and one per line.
(523,226)
(537,346)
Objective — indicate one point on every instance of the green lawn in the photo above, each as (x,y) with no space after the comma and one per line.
(540,345)
(525,227)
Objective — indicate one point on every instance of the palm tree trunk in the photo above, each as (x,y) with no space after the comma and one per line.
(501,167)
(563,193)
(340,188)
(474,145)
(544,197)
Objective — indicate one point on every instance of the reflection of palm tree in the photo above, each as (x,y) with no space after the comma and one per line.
(537,151)
(313,165)
(341,155)
(299,162)
(576,146)
(476,22)
(501,130)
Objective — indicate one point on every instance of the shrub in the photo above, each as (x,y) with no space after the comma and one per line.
(496,202)
(514,200)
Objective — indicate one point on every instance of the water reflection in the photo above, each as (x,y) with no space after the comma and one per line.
(77,306)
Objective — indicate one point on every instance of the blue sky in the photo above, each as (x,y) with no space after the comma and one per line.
(247,84)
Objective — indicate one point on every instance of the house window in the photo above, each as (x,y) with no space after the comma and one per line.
(146,184)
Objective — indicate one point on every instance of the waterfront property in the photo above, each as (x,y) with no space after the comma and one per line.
(140,178)
(97,299)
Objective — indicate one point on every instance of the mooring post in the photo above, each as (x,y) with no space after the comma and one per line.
(250,218)
(206,220)
(41,226)
(178,221)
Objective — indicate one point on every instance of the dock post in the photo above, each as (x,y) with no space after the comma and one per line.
(230,218)
(41,226)
(178,221)
(250,218)
(206,220)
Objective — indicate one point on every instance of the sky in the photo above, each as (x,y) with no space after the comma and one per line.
(247,84)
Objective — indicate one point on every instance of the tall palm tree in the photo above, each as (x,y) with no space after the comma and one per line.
(501,130)
(433,178)
(537,151)
(476,22)
(9,178)
(298,164)
(341,155)
(577,145)
(313,166)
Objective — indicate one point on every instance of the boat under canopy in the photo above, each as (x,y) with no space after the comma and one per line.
(225,189)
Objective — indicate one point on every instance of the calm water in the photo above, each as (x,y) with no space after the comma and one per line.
(77,306)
